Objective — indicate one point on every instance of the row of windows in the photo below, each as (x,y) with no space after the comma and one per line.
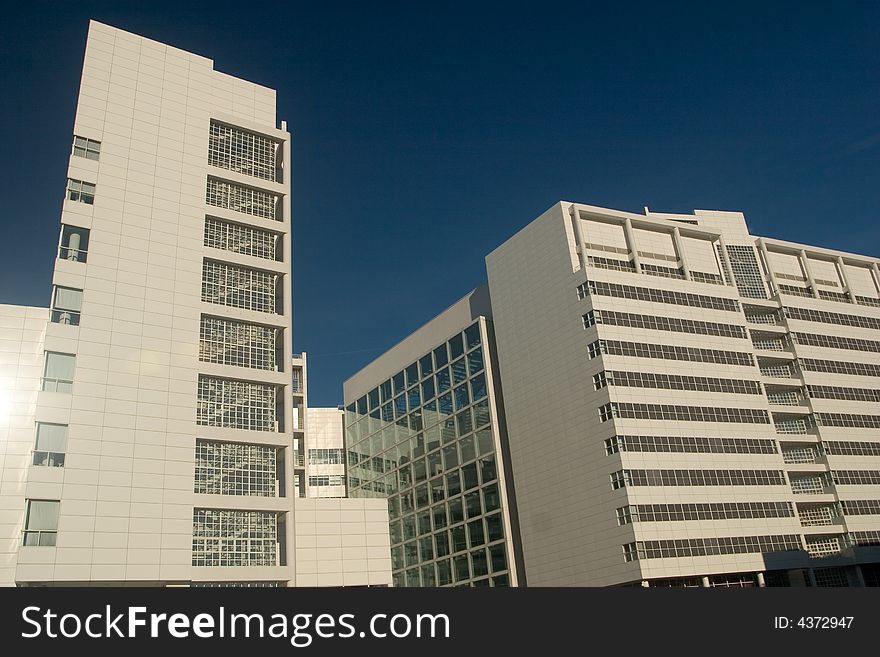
(854,420)
(229,342)
(675,382)
(841,297)
(660,270)
(796,290)
(601,288)
(475,533)
(840,367)
(856,477)
(611,263)
(673,324)
(689,444)
(860,507)
(235,469)
(235,538)
(470,568)
(747,274)
(623,478)
(703,511)
(247,200)
(239,287)
(839,319)
(868,301)
(865,539)
(434,361)
(701,547)
(851,448)
(237,238)
(840,392)
(683,413)
(327,480)
(669,352)
(237,404)
(238,150)
(323,456)
(837,342)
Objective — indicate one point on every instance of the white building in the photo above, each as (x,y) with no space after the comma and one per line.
(325,452)
(159,396)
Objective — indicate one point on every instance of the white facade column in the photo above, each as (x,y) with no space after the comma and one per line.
(805,265)
(579,235)
(725,265)
(761,582)
(704,582)
(679,249)
(876,271)
(771,275)
(631,244)
(845,280)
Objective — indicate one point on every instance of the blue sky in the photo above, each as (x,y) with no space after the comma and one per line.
(425,135)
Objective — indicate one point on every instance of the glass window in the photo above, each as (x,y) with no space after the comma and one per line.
(41,522)
(420,471)
(374,398)
(494,527)
(414,398)
(396,531)
(497,557)
(491,499)
(462,397)
(441,356)
(426,365)
(481,413)
(459,539)
(424,523)
(456,511)
(428,388)
(450,457)
(456,346)
(485,441)
(462,570)
(447,430)
(428,578)
(385,390)
(66,305)
(422,499)
(434,465)
(444,572)
(443,380)
(459,372)
(453,483)
(479,564)
(475,361)
(478,386)
(87,148)
(397,557)
(475,533)
(472,504)
(472,335)
(488,471)
(468,450)
(58,372)
(411,553)
(412,374)
(81,191)
(465,422)
(440,516)
(441,544)
(51,444)
(444,404)
(74,243)
(409,528)
(432,438)
(398,382)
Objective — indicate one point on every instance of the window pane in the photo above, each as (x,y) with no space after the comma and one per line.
(51,437)
(42,515)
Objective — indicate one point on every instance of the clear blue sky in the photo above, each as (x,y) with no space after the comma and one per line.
(425,135)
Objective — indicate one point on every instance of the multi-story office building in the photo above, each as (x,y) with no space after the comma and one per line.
(425,428)
(153,420)
(325,452)
(685,403)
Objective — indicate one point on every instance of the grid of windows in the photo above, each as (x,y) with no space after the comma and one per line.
(840,367)
(246,240)
(671,352)
(744,265)
(786,398)
(600,288)
(87,148)
(681,382)
(853,420)
(851,448)
(839,319)
(235,538)
(243,585)
(703,511)
(247,200)
(698,478)
(860,507)
(837,342)
(769,344)
(672,324)
(241,151)
(868,301)
(800,455)
(660,270)
(424,440)
(864,539)
(327,480)
(324,456)
(771,318)
(796,290)
(683,413)
(235,469)
(840,392)
(611,263)
(706,277)
(689,444)
(840,297)
(856,477)
(777,371)
(817,516)
(239,287)
(236,404)
(795,426)
(699,547)
(81,191)
(228,342)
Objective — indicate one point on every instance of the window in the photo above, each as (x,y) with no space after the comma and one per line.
(748,276)
(840,367)
(690,444)
(675,324)
(326,457)
(246,240)
(58,372)
(851,447)
(699,547)
(670,352)
(676,382)
(80,191)
(239,287)
(599,381)
(860,507)
(74,243)
(601,288)
(836,342)
(245,152)
(839,319)
(327,480)
(237,404)
(236,538)
(840,392)
(66,305)
(855,421)
(705,511)
(41,522)
(87,148)
(51,444)
(684,413)
(235,469)
(700,477)
(240,344)
(856,477)
(247,200)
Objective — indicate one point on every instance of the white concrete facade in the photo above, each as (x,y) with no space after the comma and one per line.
(325,452)
(614,384)
(167,361)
